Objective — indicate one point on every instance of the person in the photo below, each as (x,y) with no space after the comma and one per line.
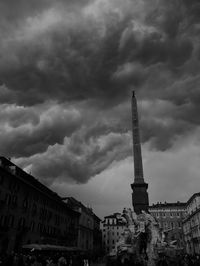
(197,261)
(62,261)
(15,260)
(86,262)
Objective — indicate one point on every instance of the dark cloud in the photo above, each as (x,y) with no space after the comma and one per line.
(67,69)
(77,160)
(26,131)
(20,10)
(77,58)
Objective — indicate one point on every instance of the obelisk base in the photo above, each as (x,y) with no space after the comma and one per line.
(140,198)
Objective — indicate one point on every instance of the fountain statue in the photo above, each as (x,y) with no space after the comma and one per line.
(140,238)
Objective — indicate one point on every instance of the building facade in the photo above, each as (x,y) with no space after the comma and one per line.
(89,233)
(97,237)
(112,227)
(32,213)
(170,217)
(191,225)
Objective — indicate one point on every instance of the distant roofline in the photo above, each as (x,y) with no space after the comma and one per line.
(80,204)
(112,215)
(193,196)
(96,217)
(32,181)
(168,204)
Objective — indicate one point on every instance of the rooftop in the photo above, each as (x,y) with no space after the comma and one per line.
(9,167)
(167,204)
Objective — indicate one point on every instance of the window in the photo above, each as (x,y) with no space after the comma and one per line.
(50,216)
(25,204)
(10,220)
(32,225)
(8,199)
(36,197)
(113,241)
(13,186)
(39,227)
(34,209)
(3,220)
(41,213)
(14,200)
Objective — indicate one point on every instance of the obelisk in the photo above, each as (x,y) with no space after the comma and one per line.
(140,199)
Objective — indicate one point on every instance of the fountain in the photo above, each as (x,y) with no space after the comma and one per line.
(141,239)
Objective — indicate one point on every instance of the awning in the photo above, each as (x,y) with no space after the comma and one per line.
(49,247)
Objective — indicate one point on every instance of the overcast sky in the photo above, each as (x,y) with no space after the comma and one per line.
(67,68)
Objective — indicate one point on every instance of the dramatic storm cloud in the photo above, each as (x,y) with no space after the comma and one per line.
(67,69)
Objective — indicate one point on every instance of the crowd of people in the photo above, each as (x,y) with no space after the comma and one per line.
(163,260)
(44,260)
(180,260)
(83,260)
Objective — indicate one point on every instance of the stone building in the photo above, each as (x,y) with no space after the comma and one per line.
(97,236)
(32,213)
(89,233)
(112,228)
(170,217)
(191,225)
